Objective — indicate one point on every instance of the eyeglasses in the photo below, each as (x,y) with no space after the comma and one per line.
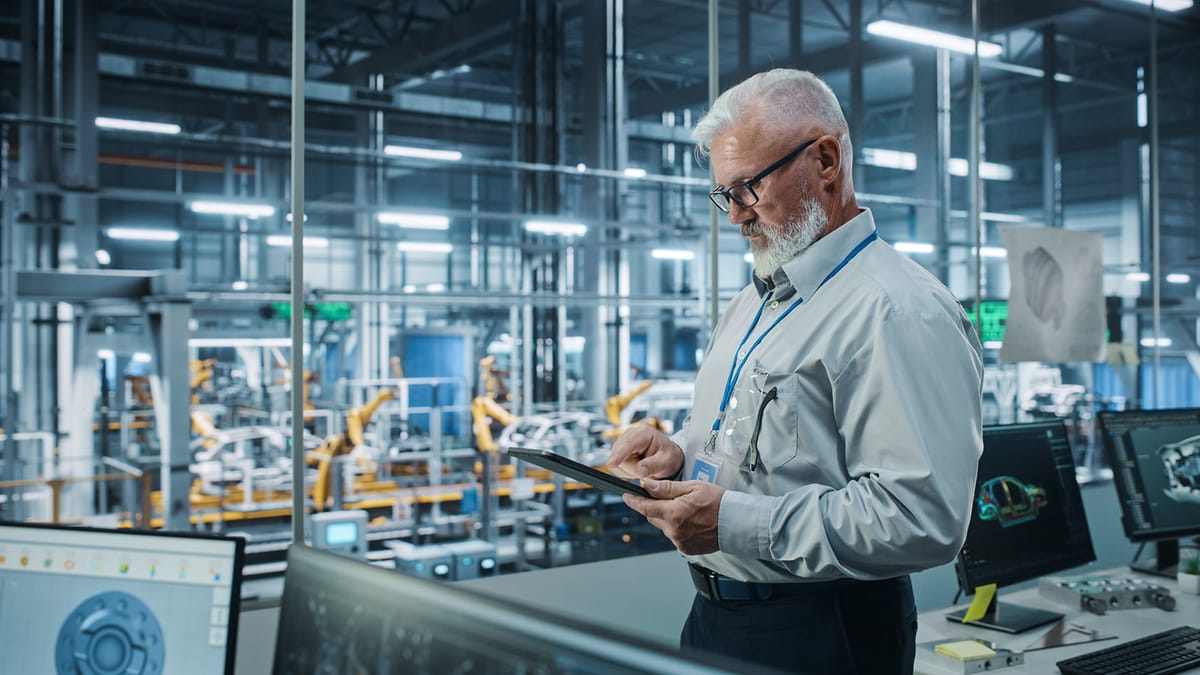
(743,194)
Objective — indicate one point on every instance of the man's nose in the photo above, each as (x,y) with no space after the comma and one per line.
(739,214)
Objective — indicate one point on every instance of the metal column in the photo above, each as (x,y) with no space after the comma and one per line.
(1051,167)
(168,315)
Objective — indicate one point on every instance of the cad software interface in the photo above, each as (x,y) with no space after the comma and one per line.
(78,601)
(1028,518)
(1155,458)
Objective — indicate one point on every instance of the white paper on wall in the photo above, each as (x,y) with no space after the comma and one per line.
(1056,299)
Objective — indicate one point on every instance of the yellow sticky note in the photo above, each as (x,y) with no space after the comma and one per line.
(983,599)
(967,649)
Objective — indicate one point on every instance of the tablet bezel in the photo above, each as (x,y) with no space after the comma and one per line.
(548,459)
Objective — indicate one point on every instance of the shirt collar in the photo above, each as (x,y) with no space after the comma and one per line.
(806,271)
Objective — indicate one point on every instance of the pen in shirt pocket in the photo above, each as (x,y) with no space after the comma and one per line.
(750,462)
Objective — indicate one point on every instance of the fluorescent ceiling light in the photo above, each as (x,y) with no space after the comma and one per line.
(435,288)
(286,240)
(415,221)
(749,257)
(289,217)
(1003,217)
(240,285)
(141,234)
(409,288)
(556,227)
(1137,276)
(142,357)
(1178,278)
(992,252)
(105,354)
(672,254)
(422,153)
(993,344)
(989,170)
(907,161)
(932,38)
(1161,342)
(240,342)
(424,247)
(136,125)
(232,209)
(1022,70)
(102,257)
(913,247)
(1167,5)
(633,172)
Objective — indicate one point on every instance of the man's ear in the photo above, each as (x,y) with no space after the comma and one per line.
(829,153)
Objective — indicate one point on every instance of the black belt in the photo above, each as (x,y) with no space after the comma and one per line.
(718,587)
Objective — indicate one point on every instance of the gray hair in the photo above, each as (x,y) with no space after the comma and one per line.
(783,94)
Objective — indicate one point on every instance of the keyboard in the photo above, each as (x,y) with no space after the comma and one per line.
(1171,651)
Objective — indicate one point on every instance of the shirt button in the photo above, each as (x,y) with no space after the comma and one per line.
(774,304)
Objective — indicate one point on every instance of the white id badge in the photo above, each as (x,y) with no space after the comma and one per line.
(706,468)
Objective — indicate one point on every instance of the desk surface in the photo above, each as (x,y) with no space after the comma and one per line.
(1125,624)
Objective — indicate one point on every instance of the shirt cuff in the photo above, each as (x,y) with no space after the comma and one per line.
(743,525)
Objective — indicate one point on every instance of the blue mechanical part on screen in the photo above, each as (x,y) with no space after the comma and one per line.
(1181,461)
(110,633)
(1009,502)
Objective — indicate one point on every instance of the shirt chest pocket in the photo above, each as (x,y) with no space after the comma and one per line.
(760,432)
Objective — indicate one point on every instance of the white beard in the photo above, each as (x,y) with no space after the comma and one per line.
(789,240)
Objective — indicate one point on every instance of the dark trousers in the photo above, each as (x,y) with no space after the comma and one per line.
(867,627)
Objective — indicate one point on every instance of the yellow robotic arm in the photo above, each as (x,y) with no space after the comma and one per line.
(615,404)
(342,444)
(483,411)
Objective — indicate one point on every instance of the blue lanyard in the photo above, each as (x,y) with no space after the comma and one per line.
(735,369)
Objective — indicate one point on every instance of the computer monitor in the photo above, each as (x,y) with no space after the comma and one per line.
(340,615)
(76,600)
(1155,459)
(1027,519)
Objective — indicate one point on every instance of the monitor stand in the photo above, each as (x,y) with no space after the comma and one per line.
(1165,562)
(1008,618)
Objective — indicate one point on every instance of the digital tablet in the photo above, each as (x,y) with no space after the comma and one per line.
(580,472)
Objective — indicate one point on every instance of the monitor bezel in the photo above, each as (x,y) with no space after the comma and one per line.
(966,584)
(235,601)
(1110,456)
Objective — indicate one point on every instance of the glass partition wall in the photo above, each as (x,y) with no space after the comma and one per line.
(503,200)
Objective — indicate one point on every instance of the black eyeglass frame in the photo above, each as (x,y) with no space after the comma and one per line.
(728,192)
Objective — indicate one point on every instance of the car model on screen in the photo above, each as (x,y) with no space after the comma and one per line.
(1009,501)
(1181,462)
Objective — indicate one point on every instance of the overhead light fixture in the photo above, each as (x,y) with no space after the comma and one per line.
(1178,278)
(913,247)
(102,257)
(422,153)
(409,288)
(634,172)
(435,288)
(286,240)
(142,357)
(556,227)
(672,254)
(1139,277)
(1023,70)
(749,257)
(1160,342)
(424,247)
(105,354)
(141,234)
(240,285)
(137,125)
(1167,5)
(289,217)
(580,167)
(933,38)
(988,170)
(992,252)
(232,209)
(957,166)
(415,221)
(993,344)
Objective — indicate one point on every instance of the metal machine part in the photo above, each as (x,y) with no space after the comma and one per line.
(1101,594)
(110,633)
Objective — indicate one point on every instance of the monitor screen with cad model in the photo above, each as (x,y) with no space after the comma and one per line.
(103,602)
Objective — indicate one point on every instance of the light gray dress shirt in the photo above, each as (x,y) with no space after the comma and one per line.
(868,449)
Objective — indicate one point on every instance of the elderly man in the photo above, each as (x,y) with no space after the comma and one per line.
(835,430)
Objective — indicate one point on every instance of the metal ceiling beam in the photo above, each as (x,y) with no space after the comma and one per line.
(479,30)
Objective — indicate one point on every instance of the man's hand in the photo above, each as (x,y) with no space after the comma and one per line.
(685,511)
(645,452)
